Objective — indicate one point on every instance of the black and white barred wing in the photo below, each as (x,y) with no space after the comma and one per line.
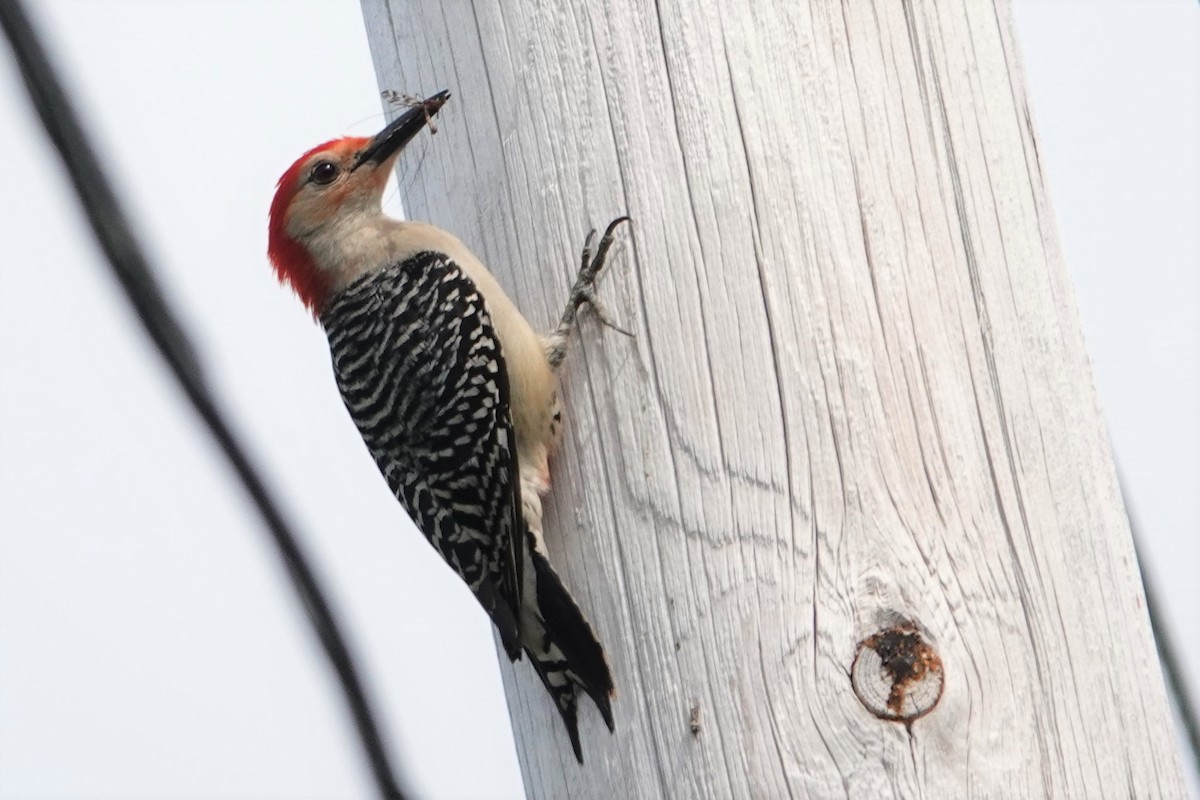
(422,374)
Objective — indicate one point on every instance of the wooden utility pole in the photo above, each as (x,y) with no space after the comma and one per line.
(844,511)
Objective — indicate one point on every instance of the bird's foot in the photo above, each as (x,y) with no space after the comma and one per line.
(583,293)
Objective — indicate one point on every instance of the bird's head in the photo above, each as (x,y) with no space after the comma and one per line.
(330,193)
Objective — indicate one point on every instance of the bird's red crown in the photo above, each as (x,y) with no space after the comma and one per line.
(293,264)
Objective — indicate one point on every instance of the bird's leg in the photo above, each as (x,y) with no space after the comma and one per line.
(584,293)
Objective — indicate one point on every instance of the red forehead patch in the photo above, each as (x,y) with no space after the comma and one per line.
(293,265)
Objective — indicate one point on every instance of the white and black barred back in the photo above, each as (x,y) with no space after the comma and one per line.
(422,373)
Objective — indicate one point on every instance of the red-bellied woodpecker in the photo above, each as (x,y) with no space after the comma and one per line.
(452,390)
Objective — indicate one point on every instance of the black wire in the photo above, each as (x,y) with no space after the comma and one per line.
(1164,642)
(1172,668)
(133,272)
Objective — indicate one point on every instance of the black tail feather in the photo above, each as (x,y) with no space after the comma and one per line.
(565,700)
(502,617)
(580,662)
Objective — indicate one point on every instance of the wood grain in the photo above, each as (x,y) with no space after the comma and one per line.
(858,395)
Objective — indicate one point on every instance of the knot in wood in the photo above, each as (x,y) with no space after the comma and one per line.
(897,674)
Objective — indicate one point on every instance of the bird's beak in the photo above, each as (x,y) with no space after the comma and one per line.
(401,131)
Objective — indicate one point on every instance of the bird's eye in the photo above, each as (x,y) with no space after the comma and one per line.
(323,172)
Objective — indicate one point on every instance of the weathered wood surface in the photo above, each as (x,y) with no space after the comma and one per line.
(858,392)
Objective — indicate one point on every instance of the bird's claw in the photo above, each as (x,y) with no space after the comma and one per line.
(590,266)
(584,291)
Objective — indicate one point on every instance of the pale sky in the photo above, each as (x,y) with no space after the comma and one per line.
(150,646)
